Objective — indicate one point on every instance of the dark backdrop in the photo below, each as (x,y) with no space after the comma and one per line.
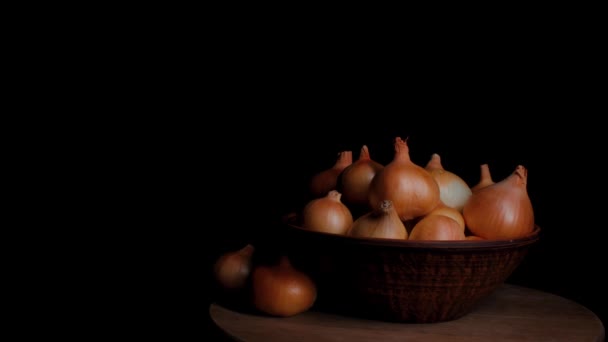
(263,160)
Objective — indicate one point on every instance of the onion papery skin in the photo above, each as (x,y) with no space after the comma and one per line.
(327,214)
(410,187)
(453,190)
(232,269)
(382,223)
(355,180)
(450,212)
(281,290)
(437,228)
(502,210)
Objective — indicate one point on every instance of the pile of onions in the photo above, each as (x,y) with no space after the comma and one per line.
(485,178)
(327,214)
(437,227)
(501,210)
(326,180)
(355,180)
(411,188)
(281,290)
(402,200)
(453,190)
(232,269)
(381,223)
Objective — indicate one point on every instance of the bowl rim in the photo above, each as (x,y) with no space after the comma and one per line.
(289,221)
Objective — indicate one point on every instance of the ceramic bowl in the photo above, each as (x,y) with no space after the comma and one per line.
(401,280)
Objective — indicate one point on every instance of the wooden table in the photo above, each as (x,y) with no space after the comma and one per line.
(511,313)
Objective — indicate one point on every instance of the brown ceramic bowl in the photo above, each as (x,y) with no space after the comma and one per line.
(401,280)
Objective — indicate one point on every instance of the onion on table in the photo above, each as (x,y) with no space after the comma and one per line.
(232,269)
(282,290)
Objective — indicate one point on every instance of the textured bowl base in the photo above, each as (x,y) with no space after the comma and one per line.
(422,307)
(404,281)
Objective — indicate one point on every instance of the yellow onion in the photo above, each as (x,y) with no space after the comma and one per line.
(232,269)
(485,178)
(437,227)
(450,212)
(502,210)
(410,188)
(381,223)
(326,180)
(282,290)
(355,179)
(453,190)
(327,214)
